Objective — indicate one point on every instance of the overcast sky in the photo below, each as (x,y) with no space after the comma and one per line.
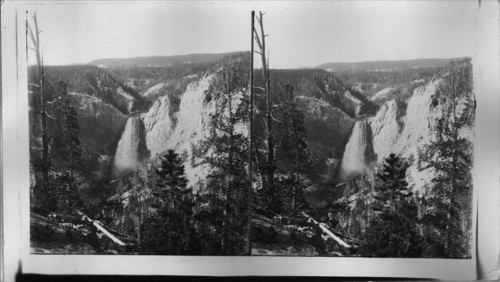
(301,34)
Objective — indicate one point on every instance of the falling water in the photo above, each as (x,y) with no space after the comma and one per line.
(358,152)
(127,152)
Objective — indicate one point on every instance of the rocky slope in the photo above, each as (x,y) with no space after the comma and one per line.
(181,130)
(171,108)
(100,122)
(401,129)
(126,121)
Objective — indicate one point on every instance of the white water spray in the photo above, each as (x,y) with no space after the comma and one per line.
(127,152)
(358,151)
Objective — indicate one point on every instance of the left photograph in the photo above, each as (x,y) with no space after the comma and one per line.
(137,156)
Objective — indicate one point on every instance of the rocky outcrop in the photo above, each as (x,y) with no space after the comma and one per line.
(153,91)
(125,99)
(408,135)
(386,129)
(187,125)
(381,95)
(158,125)
(182,130)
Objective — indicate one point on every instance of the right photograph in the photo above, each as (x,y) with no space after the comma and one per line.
(369,158)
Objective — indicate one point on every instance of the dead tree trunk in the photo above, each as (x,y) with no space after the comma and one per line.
(261,43)
(250,143)
(35,38)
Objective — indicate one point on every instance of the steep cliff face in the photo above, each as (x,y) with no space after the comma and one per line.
(419,130)
(386,129)
(166,131)
(407,135)
(182,130)
(158,125)
(420,119)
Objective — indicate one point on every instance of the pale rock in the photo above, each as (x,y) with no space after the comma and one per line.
(129,99)
(153,91)
(381,95)
(191,125)
(385,129)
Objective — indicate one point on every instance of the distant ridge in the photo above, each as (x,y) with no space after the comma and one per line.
(160,61)
(386,65)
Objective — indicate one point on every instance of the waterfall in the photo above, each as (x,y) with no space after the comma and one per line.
(127,152)
(358,153)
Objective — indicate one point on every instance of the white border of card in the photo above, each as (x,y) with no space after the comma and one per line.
(15,214)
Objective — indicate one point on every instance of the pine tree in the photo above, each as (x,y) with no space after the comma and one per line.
(357,197)
(66,152)
(448,205)
(393,231)
(289,195)
(135,203)
(223,210)
(170,230)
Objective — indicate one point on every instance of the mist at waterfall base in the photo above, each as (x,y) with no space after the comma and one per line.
(358,154)
(127,153)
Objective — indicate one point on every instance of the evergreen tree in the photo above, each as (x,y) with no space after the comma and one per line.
(393,231)
(66,144)
(289,194)
(357,197)
(223,210)
(448,205)
(66,154)
(135,203)
(170,231)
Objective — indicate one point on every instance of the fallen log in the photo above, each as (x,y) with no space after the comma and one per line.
(102,229)
(326,230)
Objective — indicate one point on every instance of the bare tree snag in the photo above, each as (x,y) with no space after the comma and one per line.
(250,145)
(261,44)
(35,39)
